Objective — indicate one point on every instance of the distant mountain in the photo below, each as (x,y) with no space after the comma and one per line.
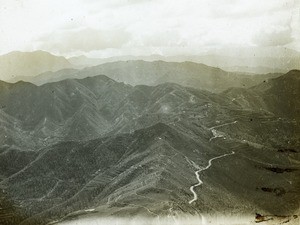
(258,64)
(153,73)
(16,66)
(95,146)
(254,70)
(83,61)
(22,64)
(250,60)
(279,59)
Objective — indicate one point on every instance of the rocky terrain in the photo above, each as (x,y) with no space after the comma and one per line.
(100,147)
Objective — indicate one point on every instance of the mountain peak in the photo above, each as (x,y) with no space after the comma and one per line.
(295,74)
(290,77)
(20,64)
(21,53)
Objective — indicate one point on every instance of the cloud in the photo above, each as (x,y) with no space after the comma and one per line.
(84,40)
(85,26)
(273,36)
(248,9)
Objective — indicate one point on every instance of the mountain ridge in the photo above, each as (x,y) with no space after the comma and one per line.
(23,64)
(142,72)
(95,143)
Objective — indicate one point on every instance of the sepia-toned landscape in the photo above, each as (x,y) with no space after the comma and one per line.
(149,112)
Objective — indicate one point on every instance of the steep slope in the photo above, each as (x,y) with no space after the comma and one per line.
(22,64)
(280,96)
(283,94)
(106,148)
(150,172)
(70,109)
(84,109)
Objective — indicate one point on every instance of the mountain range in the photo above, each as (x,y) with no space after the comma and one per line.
(98,146)
(189,74)
(259,64)
(252,59)
(16,66)
(23,64)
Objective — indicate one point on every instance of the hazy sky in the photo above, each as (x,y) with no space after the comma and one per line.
(141,27)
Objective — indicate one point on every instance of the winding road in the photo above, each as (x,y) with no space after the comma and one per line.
(192,188)
(222,125)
